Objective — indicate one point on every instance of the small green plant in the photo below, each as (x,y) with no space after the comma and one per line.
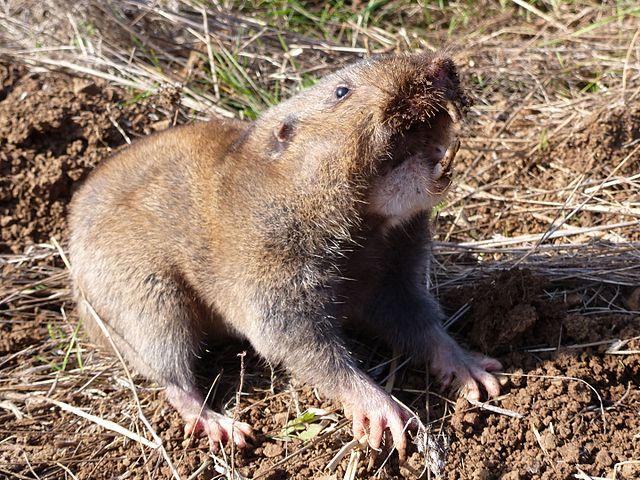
(438,208)
(543,143)
(478,79)
(139,96)
(308,80)
(592,86)
(304,427)
(243,93)
(58,335)
(88,27)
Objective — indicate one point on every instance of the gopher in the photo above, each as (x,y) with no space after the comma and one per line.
(279,231)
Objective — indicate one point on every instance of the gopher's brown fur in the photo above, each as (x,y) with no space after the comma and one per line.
(250,229)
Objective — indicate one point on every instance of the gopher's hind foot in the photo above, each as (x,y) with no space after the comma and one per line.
(198,418)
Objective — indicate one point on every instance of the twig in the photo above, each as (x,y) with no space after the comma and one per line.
(494,409)
(337,458)
(539,13)
(107,424)
(24,454)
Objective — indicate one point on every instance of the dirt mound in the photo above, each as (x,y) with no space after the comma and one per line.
(55,129)
(504,308)
(574,405)
(577,411)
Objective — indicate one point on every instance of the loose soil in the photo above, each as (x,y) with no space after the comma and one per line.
(55,129)
(577,406)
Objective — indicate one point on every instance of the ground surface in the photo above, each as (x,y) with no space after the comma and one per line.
(575,391)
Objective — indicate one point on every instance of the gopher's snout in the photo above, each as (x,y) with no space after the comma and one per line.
(423,113)
(422,91)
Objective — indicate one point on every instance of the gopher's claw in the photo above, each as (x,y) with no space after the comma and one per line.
(452,151)
(466,372)
(372,416)
(454,112)
(219,429)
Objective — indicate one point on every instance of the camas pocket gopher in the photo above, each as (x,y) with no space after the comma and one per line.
(277,231)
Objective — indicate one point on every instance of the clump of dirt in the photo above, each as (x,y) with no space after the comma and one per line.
(506,310)
(55,129)
(8,74)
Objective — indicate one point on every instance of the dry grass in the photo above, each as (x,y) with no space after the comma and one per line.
(542,74)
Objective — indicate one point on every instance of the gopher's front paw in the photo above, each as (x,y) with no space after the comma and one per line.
(372,413)
(465,371)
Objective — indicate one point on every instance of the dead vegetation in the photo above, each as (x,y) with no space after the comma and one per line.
(548,187)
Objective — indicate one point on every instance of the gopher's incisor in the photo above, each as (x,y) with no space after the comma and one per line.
(277,231)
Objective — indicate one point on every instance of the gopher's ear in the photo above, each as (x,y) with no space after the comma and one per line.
(283,132)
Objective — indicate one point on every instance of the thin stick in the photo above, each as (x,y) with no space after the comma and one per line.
(494,409)
(212,64)
(235,412)
(557,234)
(107,424)
(337,458)
(626,61)
(29,465)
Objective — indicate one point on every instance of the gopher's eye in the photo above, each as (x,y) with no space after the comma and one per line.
(341,92)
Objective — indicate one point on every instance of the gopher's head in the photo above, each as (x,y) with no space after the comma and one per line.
(383,126)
